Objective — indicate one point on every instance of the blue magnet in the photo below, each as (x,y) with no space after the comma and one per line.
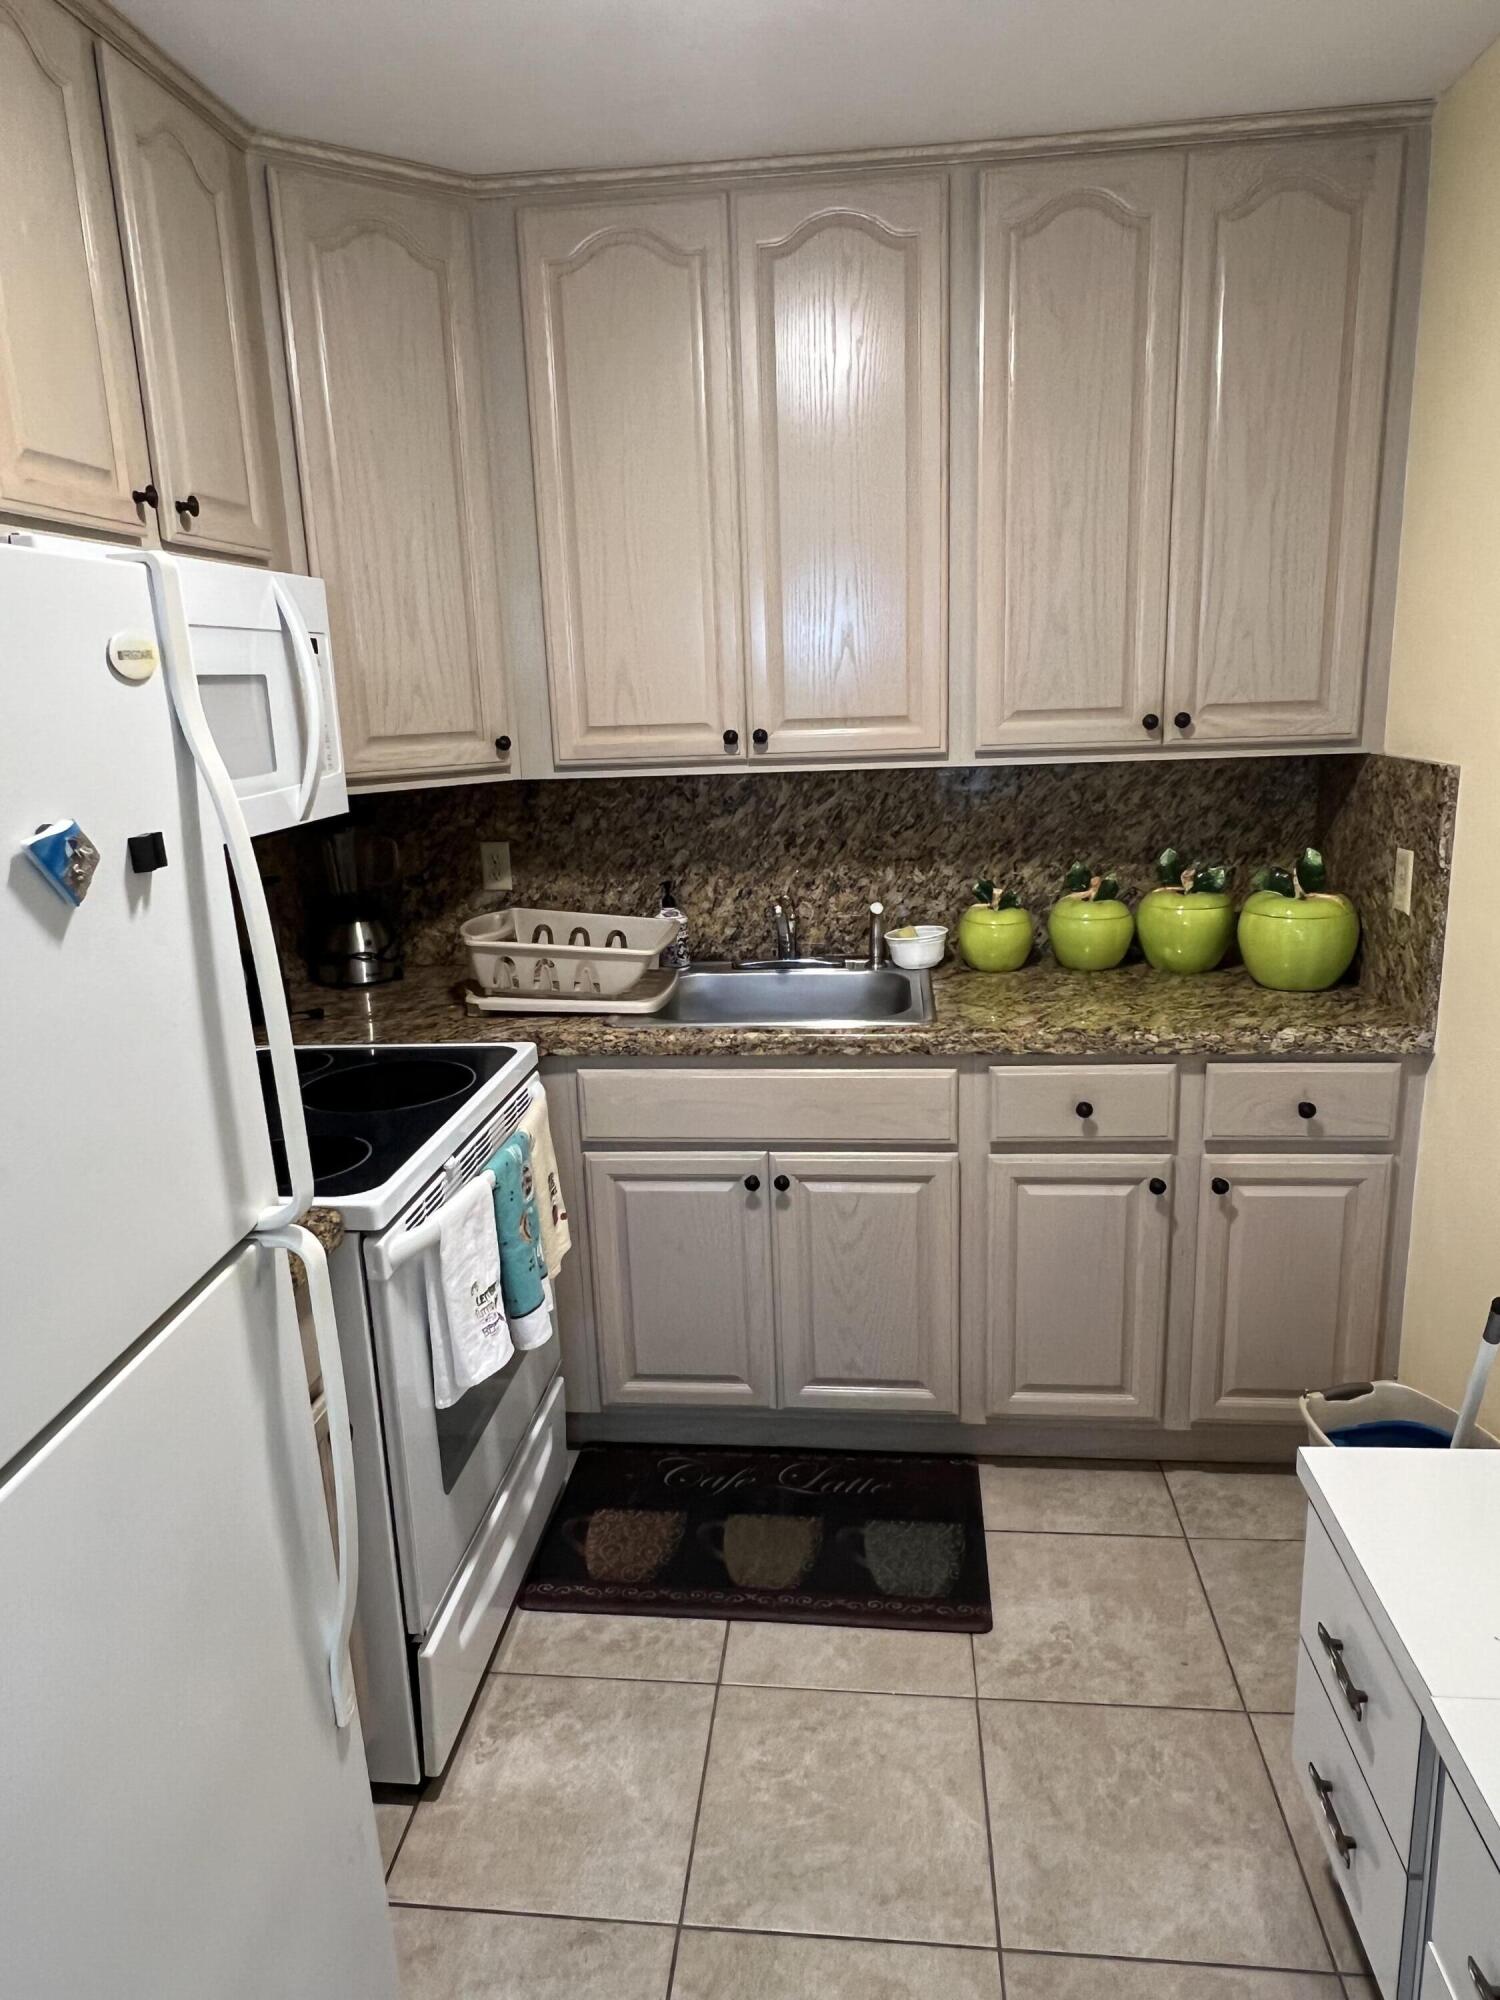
(63,852)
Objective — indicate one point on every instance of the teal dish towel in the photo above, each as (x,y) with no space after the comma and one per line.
(518,1225)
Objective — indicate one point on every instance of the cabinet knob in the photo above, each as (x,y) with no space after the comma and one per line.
(752,1183)
(1151,722)
(760,738)
(147,495)
(189,506)
(1084,1108)
(1219,1184)
(1307,1109)
(781,1183)
(1182,719)
(731,739)
(502,746)
(1157,1185)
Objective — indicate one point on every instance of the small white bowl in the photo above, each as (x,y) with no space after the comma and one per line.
(915,954)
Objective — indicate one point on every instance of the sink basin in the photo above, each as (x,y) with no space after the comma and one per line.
(796,996)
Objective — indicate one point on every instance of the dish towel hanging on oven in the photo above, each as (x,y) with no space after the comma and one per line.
(523,1275)
(465,1315)
(556,1238)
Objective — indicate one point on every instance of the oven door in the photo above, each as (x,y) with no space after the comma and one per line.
(446,1466)
(261,653)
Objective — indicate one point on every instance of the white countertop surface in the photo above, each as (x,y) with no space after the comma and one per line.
(1420,1533)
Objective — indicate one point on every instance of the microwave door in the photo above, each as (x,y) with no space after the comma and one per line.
(251,701)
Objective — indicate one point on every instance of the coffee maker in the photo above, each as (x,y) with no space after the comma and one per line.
(355,921)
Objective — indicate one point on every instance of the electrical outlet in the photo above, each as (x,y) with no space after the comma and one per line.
(494,864)
(1401,881)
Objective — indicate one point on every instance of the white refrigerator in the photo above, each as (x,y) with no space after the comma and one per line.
(184,1810)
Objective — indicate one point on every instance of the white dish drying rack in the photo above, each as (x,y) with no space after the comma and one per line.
(568,961)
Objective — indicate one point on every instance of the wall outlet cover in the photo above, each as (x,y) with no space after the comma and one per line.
(1401,881)
(494,864)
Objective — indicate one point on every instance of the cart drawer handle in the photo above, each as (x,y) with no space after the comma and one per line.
(1355,1697)
(1341,1840)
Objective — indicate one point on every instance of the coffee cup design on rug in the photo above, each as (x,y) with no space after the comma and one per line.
(909,1558)
(765,1551)
(626,1544)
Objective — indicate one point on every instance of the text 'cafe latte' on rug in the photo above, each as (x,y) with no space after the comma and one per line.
(852,1538)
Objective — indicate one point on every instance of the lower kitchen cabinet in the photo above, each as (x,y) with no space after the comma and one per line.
(1077,1279)
(682,1278)
(1290,1277)
(866,1259)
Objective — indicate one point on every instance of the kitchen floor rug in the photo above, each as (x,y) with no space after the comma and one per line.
(815,1538)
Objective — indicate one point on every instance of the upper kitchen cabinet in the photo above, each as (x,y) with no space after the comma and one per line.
(628,361)
(185,217)
(1288,269)
(72,441)
(379,306)
(841,295)
(1079,273)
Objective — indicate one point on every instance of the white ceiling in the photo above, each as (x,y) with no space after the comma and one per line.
(491,85)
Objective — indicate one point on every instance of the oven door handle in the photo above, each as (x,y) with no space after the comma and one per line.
(300,640)
(302,1243)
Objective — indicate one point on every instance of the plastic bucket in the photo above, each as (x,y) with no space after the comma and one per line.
(1388,1414)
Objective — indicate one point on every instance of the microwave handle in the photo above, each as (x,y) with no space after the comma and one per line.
(310,682)
(187,705)
(305,1245)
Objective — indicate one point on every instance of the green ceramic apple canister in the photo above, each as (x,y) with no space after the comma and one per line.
(1295,936)
(1186,925)
(994,932)
(1090,928)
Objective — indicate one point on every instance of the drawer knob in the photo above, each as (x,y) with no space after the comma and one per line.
(1354,1697)
(1084,1108)
(1157,1185)
(731,738)
(1307,1109)
(1343,1843)
(781,1184)
(1219,1184)
(1482,1986)
(752,1183)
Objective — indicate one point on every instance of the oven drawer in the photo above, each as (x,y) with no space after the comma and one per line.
(1369,1872)
(1369,1697)
(1463,1944)
(452,1662)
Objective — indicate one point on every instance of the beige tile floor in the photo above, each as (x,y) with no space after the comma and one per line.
(1095,1797)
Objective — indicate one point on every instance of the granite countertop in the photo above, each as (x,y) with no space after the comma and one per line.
(328,1226)
(1041,1010)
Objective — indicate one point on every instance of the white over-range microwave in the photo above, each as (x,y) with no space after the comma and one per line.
(265,671)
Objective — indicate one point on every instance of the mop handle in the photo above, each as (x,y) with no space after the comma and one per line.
(1484,1361)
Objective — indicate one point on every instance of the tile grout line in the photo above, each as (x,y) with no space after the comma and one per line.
(984,1797)
(687,1873)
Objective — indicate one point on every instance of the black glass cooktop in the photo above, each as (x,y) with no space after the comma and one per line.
(369,1110)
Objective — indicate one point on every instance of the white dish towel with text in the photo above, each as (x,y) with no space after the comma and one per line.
(465,1318)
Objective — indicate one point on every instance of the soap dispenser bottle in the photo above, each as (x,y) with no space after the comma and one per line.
(675,955)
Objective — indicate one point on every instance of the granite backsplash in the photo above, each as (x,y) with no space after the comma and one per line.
(916,839)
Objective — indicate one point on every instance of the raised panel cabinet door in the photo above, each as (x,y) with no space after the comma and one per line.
(185,216)
(72,439)
(682,1278)
(629,376)
(382,340)
(841,293)
(1291,1271)
(867,1280)
(1288,271)
(1080,269)
(1076,1307)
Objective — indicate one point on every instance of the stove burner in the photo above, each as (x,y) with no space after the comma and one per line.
(336,1155)
(313,1062)
(401,1085)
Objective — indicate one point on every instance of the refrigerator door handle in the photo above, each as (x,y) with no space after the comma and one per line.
(305,1245)
(311,684)
(187,704)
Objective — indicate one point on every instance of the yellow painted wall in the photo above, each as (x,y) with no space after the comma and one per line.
(1445,703)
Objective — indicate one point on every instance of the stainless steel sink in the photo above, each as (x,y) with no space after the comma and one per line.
(827,995)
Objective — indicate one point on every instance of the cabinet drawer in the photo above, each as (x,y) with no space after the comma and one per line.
(1378,1716)
(769,1106)
(1087,1102)
(1369,1872)
(1464,1938)
(1313,1101)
